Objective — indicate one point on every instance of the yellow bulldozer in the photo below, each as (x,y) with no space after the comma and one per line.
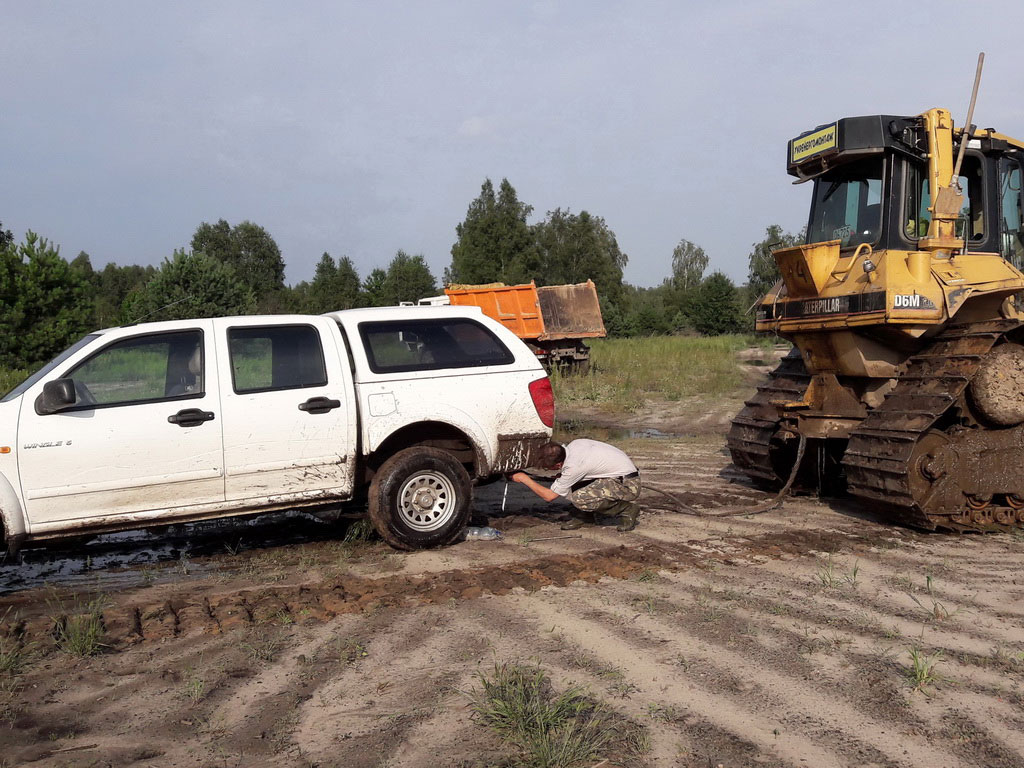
(905,386)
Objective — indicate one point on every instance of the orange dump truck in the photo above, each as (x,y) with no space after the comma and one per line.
(553,320)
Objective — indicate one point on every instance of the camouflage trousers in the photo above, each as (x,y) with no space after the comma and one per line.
(602,496)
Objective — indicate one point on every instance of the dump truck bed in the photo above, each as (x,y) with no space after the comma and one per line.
(570,312)
(548,313)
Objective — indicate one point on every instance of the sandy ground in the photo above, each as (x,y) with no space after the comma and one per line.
(782,639)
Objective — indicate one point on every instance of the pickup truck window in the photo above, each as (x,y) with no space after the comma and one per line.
(142,369)
(274,357)
(396,346)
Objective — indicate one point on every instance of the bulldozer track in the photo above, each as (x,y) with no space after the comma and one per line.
(754,427)
(878,459)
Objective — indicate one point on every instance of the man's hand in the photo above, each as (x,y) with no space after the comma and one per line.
(545,493)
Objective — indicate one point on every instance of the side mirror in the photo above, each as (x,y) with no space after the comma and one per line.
(56,395)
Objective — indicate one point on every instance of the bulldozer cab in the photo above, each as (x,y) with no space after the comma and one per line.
(875,179)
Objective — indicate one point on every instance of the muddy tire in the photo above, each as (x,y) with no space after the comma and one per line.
(420,498)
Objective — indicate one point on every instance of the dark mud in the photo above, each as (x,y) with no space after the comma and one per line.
(151,555)
(192,551)
(212,608)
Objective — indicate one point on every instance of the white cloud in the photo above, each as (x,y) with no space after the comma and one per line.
(475,127)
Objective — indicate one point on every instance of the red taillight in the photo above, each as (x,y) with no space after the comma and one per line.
(543,400)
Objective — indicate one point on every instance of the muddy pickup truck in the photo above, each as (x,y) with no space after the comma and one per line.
(187,420)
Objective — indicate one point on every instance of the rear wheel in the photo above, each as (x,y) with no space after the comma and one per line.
(420,498)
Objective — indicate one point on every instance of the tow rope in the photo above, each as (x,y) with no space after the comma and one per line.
(758,509)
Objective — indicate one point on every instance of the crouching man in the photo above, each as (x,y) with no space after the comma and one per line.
(599,480)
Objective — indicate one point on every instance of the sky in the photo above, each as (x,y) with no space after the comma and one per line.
(364,128)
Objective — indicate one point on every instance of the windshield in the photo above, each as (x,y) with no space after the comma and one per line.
(46,369)
(847,205)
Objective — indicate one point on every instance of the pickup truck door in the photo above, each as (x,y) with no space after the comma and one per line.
(289,409)
(144,436)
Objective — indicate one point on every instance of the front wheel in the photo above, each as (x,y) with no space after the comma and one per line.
(420,498)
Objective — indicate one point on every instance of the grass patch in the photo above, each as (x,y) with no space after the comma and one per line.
(79,631)
(262,646)
(11,703)
(195,688)
(359,532)
(830,577)
(13,656)
(921,671)
(936,611)
(351,650)
(624,372)
(14,652)
(548,729)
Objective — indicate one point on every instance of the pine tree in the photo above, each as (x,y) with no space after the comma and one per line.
(408,279)
(495,243)
(374,290)
(190,285)
(714,308)
(335,286)
(45,305)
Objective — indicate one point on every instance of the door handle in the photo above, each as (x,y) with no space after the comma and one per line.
(190,417)
(319,405)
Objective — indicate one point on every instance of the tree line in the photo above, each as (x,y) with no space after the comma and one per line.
(48,302)
(495,243)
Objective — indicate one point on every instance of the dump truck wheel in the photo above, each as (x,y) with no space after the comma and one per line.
(420,498)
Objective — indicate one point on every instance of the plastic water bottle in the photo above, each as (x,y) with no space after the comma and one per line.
(483,534)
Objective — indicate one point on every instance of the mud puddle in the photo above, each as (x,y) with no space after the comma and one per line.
(185,551)
(181,551)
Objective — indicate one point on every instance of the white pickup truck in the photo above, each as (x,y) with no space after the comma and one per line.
(195,419)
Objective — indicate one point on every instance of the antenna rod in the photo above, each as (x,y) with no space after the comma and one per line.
(966,132)
(161,309)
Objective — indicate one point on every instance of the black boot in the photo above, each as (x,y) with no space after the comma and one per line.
(628,517)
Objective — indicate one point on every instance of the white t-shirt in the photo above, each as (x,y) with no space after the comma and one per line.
(590,460)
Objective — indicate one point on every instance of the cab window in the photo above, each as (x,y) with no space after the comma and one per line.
(971,225)
(847,204)
(917,202)
(1011,213)
(916,214)
(419,345)
(274,357)
(142,369)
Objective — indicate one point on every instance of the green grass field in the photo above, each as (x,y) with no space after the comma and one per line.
(624,373)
